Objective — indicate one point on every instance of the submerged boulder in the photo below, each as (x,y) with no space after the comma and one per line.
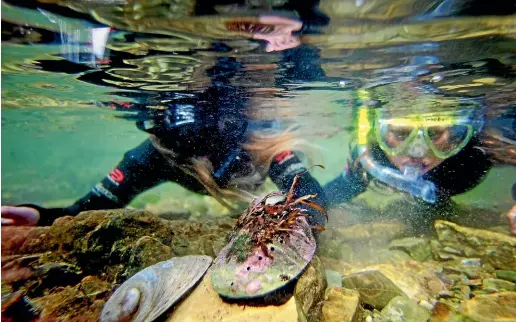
(497,249)
(341,304)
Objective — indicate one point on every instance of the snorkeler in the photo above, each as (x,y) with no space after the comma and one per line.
(208,146)
(431,150)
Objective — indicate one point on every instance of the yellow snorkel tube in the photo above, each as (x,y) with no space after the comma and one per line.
(409,181)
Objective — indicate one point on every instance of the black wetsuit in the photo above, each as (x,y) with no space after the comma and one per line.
(145,167)
(455,175)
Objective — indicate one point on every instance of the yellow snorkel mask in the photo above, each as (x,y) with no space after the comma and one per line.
(442,133)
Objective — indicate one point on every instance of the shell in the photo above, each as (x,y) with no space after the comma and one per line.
(258,275)
(152,291)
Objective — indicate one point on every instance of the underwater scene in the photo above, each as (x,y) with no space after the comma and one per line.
(258,160)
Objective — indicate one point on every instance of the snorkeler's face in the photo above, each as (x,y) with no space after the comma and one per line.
(418,144)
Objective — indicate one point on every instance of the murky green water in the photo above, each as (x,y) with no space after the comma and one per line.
(72,90)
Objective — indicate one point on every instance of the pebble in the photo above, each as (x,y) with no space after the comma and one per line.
(446,294)
(453,251)
(473,282)
(506,275)
(427,305)
(466,291)
(471,262)
(369,318)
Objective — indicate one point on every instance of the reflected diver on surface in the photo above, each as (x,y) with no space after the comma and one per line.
(431,147)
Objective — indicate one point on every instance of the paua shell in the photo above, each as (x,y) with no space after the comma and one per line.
(243,271)
(152,291)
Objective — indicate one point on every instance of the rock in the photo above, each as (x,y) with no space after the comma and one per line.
(97,241)
(206,237)
(94,287)
(376,233)
(68,304)
(474,262)
(145,252)
(498,285)
(465,291)
(22,239)
(506,275)
(374,287)
(379,284)
(333,278)
(341,304)
(334,248)
(445,313)
(402,309)
(418,248)
(204,304)
(51,275)
(446,294)
(494,248)
(310,289)
(491,307)
(17,307)
(175,215)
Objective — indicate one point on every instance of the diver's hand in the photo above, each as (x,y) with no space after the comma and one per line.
(19,216)
(281,37)
(511,215)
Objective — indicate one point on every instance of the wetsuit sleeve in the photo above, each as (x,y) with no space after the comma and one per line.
(284,168)
(140,169)
(346,186)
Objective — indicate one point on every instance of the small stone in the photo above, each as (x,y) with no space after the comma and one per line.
(369,318)
(402,309)
(506,275)
(375,288)
(492,307)
(465,291)
(418,248)
(341,304)
(471,262)
(498,285)
(473,282)
(333,278)
(443,312)
(175,215)
(471,273)
(497,249)
(453,251)
(427,305)
(446,294)
(93,286)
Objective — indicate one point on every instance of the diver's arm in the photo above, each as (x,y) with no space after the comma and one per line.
(344,187)
(140,169)
(284,168)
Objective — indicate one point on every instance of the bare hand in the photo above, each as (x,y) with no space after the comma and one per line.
(19,216)
(281,37)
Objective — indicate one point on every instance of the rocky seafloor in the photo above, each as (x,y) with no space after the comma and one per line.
(374,271)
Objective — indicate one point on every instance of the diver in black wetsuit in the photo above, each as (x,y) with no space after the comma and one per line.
(433,149)
(213,128)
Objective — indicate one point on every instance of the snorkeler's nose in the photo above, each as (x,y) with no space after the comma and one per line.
(418,148)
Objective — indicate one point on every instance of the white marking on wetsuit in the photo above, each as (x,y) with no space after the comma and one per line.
(99,189)
(184,114)
(293,169)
